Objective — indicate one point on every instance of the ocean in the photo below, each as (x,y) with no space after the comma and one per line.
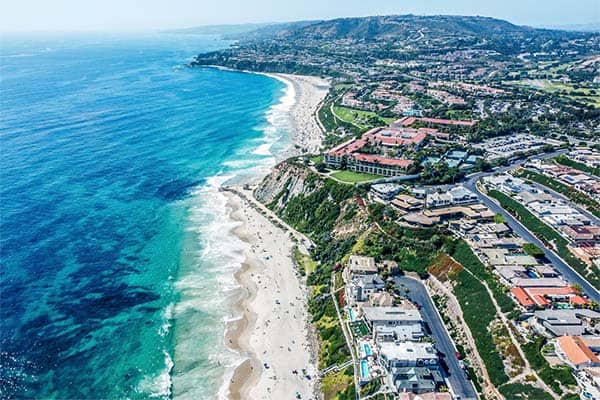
(117,256)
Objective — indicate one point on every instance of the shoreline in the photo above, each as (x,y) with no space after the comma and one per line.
(272,364)
(273,300)
(309,93)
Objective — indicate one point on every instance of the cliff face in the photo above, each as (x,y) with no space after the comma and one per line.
(312,204)
(286,181)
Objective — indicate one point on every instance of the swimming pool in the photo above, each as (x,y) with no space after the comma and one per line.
(368,351)
(364,370)
(351,314)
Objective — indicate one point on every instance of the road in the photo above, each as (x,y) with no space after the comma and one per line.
(461,386)
(568,273)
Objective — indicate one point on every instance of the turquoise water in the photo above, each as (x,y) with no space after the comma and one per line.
(368,351)
(117,253)
(364,370)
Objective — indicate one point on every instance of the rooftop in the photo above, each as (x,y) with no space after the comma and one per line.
(576,351)
(391,314)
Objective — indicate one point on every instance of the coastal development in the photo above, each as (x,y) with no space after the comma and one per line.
(438,234)
(447,245)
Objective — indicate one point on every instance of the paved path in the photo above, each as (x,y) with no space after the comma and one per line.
(528,370)
(457,377)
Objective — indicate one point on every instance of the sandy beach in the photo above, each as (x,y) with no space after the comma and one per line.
(273,332)
(310,91)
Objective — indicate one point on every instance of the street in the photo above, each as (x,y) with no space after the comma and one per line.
(568,273)
(461,386)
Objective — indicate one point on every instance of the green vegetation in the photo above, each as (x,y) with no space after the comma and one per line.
(315,214)
(525,392)
(532,250)
(413,250)
(333,349)
(564,160)
(571,193)
(370,388)
(360,118)
(584,95)
(553,377)
(465,256)
(336,383)
(499,219)
(354,177)
(478,311)
(305,264)
(547,235)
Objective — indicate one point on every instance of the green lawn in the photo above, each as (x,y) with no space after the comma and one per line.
(358,117)
(584,95)
(354,177)
(305,262)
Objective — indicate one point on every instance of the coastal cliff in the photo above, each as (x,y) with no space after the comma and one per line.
(321,208)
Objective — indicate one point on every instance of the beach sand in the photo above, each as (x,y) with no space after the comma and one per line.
(273,334)
(307,133)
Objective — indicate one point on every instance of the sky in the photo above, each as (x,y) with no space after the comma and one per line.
(139,15)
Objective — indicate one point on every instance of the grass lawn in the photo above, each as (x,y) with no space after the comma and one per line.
(584,95)
(317,159)
(358,117)
(354,177)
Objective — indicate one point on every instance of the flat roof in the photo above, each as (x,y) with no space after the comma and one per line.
(391,314)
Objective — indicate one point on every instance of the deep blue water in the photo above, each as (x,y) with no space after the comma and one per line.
(109,148)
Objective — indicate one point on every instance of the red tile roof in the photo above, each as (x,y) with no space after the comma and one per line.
(522,297)
(576,350)
(391,162)
(441,121)
(348,147)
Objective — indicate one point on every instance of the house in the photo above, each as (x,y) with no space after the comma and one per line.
(385,191)
(390,316)
(407,354)
(362,265)
(400,333)
(361,287)
(573,351)
(457,195)
(565,322)
(542,297)
(381,299)
(417,381)
(406,203)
